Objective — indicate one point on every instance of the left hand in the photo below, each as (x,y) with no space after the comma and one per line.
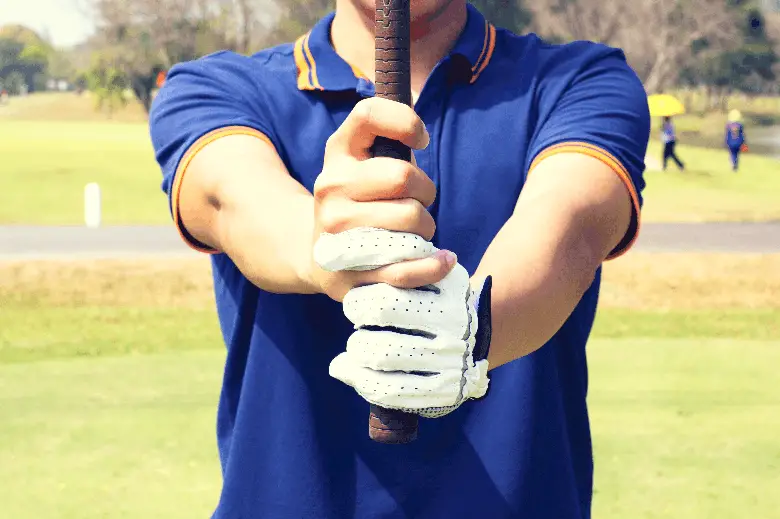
(423,350)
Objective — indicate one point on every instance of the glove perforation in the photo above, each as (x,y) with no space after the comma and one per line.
(430,319)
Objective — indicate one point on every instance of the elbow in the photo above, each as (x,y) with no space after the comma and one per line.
(590,259)
(588,252)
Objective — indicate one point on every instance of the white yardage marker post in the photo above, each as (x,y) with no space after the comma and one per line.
(92,206)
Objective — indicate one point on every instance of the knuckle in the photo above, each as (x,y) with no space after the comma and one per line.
(411,214)
(332,219)
(418,220)
(330,143)
(364,112)
(411,123)
(401,177)
(324,185)
(427,226)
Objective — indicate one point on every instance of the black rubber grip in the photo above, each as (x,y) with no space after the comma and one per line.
(392,81)
(392,70)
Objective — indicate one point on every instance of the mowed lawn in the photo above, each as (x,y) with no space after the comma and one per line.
(708,190)
(53,144)
(108,398)
(47,160)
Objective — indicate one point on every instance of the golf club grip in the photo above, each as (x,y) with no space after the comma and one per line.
(392,71)
(392,81)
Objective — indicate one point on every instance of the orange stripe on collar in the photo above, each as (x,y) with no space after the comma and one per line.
(314,79)
(484,48)
(302,65)
(487,52)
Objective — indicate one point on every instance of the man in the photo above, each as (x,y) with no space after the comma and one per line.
(529,162)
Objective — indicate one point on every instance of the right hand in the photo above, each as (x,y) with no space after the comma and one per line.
(355,190)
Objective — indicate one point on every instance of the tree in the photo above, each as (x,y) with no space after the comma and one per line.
(108,84)
(509,14)
(296,17)
(13,82)
(566,20)
(661,51)
(25,55)
(749,67)
(141,38)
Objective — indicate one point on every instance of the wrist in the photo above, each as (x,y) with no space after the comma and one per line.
(306,273)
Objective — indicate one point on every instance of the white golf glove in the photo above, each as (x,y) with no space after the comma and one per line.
(424,350)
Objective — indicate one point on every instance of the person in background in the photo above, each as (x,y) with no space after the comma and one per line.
(735,137)
(670,141)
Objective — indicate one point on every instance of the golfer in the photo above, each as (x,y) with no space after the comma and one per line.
(529,161)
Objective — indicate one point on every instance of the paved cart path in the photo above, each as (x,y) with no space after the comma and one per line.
(42,242)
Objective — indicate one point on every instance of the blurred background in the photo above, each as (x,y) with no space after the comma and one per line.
(110,354)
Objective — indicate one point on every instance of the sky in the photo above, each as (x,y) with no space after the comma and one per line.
(60,20)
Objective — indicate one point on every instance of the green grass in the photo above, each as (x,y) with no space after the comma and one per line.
(682,428)
(685,428)
(47,164)
(110,438)
(108,400)
(709,191)
(33,333)
(52,145)
(743,324)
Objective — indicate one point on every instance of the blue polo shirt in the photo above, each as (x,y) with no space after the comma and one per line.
(293,442)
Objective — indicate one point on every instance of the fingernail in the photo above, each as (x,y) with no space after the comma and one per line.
(449,257)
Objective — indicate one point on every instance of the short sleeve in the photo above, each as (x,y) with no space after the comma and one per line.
(201,101)
(601,111)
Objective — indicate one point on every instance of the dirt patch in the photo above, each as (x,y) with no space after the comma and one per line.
(168,283)
(692,281)
(634,281)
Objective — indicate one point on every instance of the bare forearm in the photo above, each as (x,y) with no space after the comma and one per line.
(267,230)
(573,212)
(238,198)
(536,288)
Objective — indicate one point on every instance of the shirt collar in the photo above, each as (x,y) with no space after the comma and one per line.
(320,68)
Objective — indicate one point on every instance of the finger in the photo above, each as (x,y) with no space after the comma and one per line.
(389,351)
(412,274)
(398,390)
(403,215)
(384,178)
(409,309)
(367,248)
(372,118)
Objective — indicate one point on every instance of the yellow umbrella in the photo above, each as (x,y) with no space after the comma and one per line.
(665,105)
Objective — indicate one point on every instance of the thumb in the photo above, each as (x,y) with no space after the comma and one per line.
(413,273)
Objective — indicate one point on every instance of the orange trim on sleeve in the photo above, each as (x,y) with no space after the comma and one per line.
(616,166)
(491,46)
(185,162)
